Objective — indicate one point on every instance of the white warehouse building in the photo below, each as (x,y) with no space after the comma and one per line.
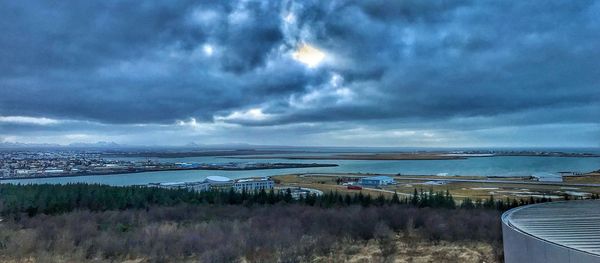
(376,181)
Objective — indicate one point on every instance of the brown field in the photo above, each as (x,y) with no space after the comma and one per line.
(405,250)
(590,178)
(409,249)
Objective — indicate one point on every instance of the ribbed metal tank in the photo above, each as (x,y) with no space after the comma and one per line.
(566,231)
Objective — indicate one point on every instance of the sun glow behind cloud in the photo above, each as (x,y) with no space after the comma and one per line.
(309,55)
(207,49)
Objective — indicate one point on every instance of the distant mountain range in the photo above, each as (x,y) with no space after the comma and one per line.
(28,145)
(114,145)
(100,144)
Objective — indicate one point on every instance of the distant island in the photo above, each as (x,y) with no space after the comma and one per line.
(529,153)
(420,155)
(374,156)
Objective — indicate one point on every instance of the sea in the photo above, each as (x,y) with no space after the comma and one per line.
(472,166)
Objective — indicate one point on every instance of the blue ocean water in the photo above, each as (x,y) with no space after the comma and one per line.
(486,166)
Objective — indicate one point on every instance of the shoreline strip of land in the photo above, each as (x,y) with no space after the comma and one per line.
(270,166)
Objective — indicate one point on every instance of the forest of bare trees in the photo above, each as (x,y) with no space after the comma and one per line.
(227,233)
(101,223)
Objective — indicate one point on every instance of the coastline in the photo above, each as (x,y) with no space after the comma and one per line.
(288,166)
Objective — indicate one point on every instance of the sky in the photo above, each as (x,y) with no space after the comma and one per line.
(305,73)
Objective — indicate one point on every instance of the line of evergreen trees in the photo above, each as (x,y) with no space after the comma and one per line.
(56,199)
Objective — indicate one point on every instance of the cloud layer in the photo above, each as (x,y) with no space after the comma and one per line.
(394,72)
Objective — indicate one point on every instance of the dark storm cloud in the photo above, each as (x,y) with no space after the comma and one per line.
(472,59)
(410,11)
(249,39)
(130,62)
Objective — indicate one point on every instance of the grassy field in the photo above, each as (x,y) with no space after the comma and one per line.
(460,190)
(593,178)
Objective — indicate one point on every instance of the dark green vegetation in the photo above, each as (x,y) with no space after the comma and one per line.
(16,200)
(83,222)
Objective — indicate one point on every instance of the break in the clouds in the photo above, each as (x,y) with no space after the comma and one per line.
(392,73)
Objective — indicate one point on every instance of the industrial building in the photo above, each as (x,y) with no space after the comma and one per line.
(376,181)
(220,183)
(567,231)
(253,184)
(298,192)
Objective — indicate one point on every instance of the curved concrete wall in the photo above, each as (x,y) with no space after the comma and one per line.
(520,247)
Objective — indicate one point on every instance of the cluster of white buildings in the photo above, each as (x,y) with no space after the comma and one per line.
(222,183)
